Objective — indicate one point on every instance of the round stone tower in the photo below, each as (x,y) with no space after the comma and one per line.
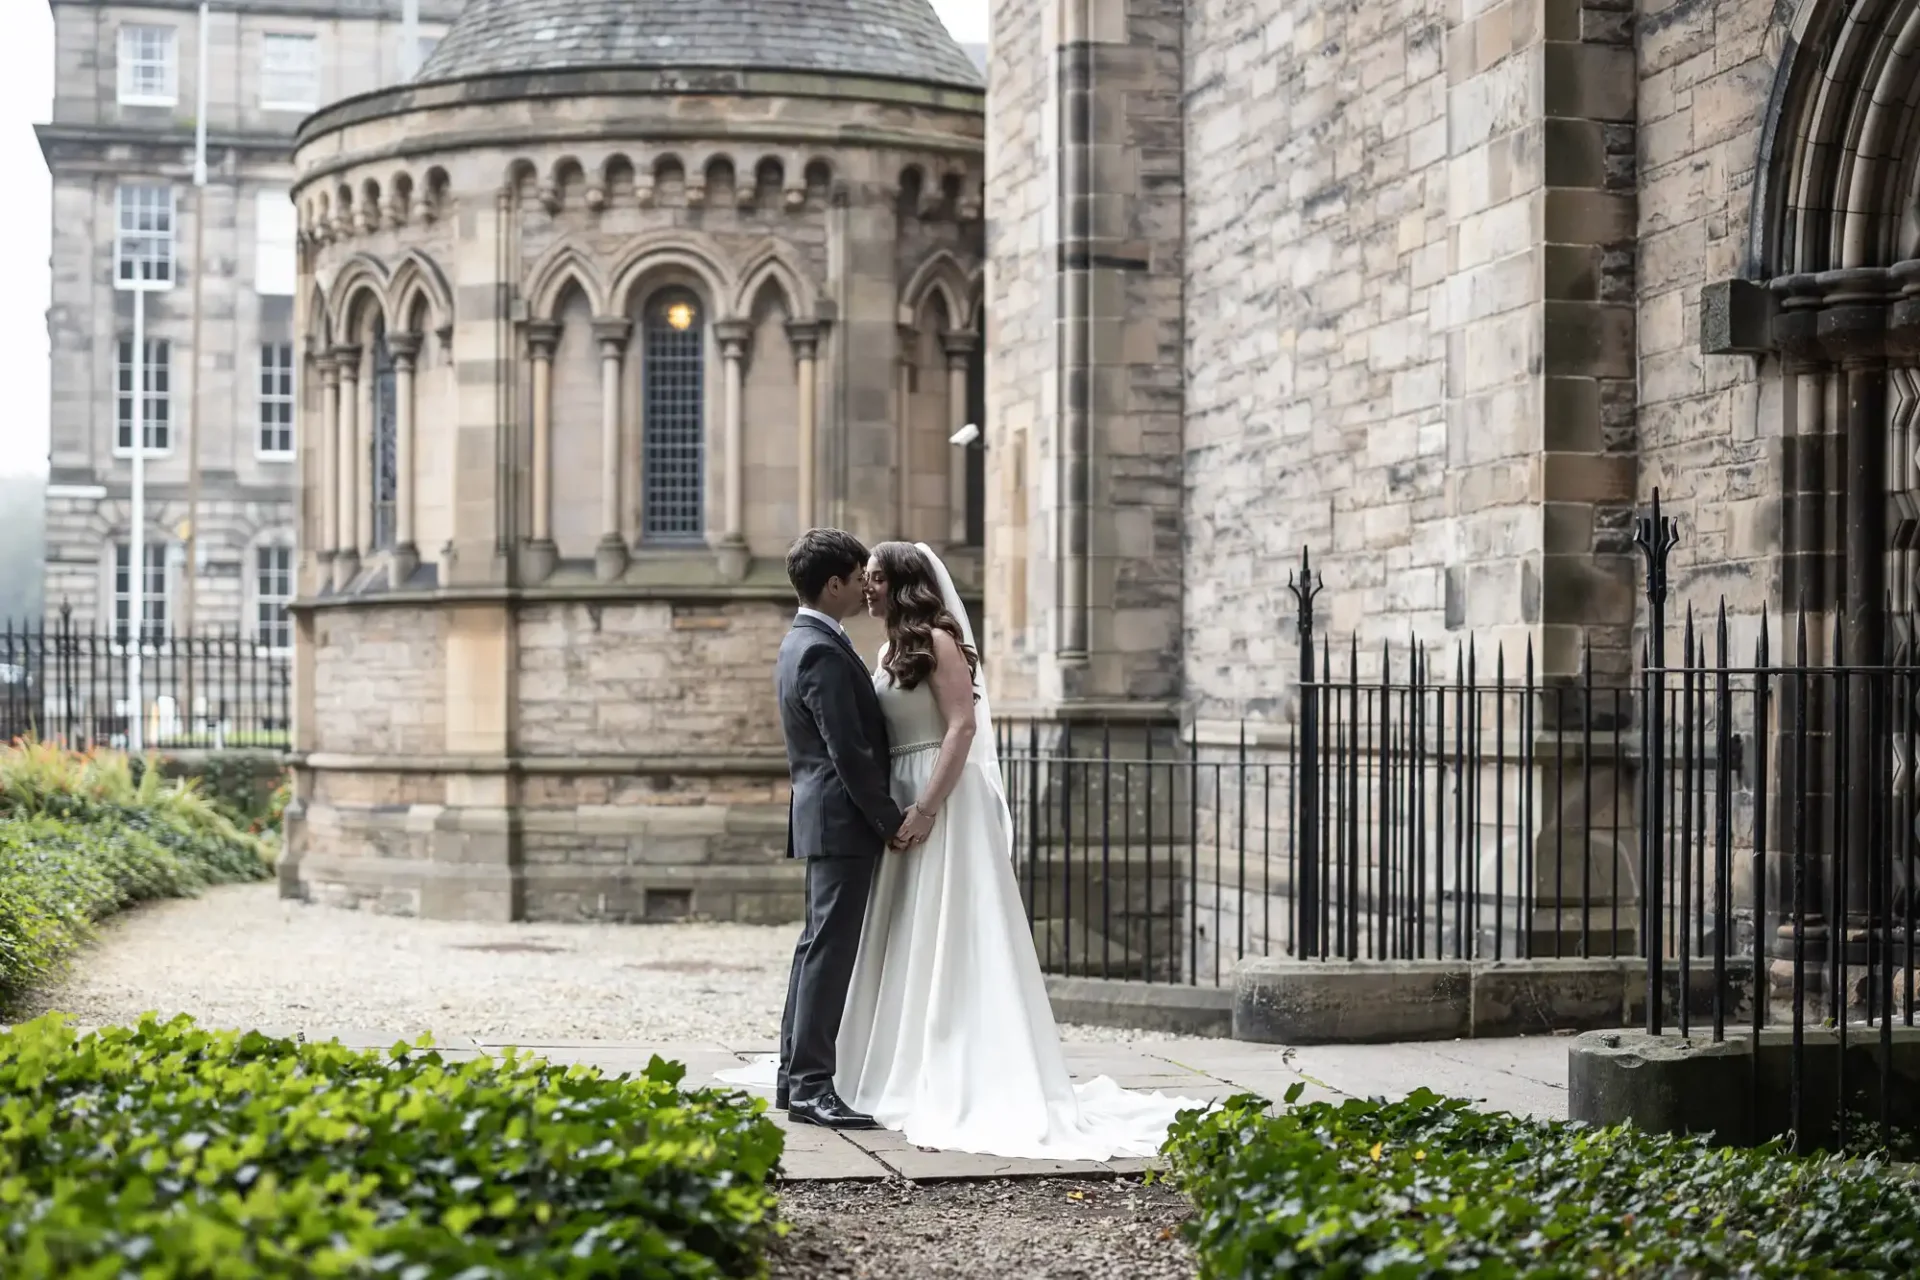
(598,313)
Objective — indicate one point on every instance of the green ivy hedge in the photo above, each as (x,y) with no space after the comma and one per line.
(80,840)
(1428,1186)
(166,1150)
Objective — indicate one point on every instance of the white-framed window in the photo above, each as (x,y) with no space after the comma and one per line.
(143,236)
(276,259)
(157,375)
(276,400)
(272,593)
(153,593)
(289,72)
(149,70)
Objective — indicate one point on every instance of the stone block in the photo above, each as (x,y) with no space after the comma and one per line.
(1334,1002)
(1736,318)
(1176,1008)
(1661,1084)
(1538,997)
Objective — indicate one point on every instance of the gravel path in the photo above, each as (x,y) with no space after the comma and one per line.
(1035,1229)
(241,957)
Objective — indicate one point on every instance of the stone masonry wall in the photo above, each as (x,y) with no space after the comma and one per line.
(1319,232)
(1084,377)
(648,678)
(1020,343)
(378,682)
(1710,426)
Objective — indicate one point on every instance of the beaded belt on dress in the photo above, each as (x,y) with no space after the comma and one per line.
(912,747)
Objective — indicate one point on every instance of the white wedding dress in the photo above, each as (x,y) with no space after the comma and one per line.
(948,1036)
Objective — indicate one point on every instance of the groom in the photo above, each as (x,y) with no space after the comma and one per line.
(842,816)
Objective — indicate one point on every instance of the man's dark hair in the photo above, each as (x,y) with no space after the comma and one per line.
(818,556)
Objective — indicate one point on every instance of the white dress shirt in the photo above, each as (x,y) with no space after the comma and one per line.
(815,613)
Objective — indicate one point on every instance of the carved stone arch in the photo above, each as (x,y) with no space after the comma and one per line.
(567,262)
(360,281)
(418,279)
(567,176)
(939,273)
(775,261)
(318,322)
(400,196)
(521,180)
(1838,151)
(743,184)
(433,200)
(369,204)
(692,251)
(976,298)
(614,173)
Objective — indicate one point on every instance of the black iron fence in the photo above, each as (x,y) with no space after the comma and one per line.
(1780,834)
(61,682)
(1416,803)
(1739,816)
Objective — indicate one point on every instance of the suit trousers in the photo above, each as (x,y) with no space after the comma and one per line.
(837,891)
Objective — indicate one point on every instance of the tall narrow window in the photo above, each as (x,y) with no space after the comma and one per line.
(272,593)
(157,402)
(153,593)
(673,438)
(386,439)
(148,75)
(276,400)
(289,72)
(143,236)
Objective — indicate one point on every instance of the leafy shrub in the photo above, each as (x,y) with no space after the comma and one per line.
(80,839)
(169,1150)
(1428,1186)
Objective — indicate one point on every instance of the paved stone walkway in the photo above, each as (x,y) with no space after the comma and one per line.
(1523,1076)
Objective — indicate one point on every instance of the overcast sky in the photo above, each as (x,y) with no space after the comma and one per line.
(26,97)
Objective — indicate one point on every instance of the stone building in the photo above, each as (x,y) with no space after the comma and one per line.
(595,315)
(1444,292)
(220,393)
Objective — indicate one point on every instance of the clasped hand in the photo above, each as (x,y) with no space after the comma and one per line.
(913,831)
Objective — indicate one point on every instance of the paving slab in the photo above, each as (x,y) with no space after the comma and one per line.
(813,1154)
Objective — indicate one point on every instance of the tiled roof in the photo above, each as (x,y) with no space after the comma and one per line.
(901,39)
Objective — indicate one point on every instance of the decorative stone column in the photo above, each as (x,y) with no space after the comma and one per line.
(804,337)
(610,556)
(903,434)
(346,553)
(329,370)
(406,554)
(959,347)
(1853,328)
(541,555)
(733,336)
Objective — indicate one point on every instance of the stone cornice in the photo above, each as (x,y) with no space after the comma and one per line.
(91,136)
(715,592)
(1845,316)
(431,11)
(768,763)
(637,81)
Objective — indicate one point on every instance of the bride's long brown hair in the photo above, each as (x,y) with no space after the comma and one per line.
(914,612)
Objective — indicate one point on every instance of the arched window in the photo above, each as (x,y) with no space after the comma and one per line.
(673,402)
(385,464)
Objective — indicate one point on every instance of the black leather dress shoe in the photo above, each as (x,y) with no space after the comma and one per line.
(829,1112)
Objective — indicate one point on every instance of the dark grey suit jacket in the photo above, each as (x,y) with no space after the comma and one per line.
(837,749)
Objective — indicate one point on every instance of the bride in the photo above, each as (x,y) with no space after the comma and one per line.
(947,1034)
